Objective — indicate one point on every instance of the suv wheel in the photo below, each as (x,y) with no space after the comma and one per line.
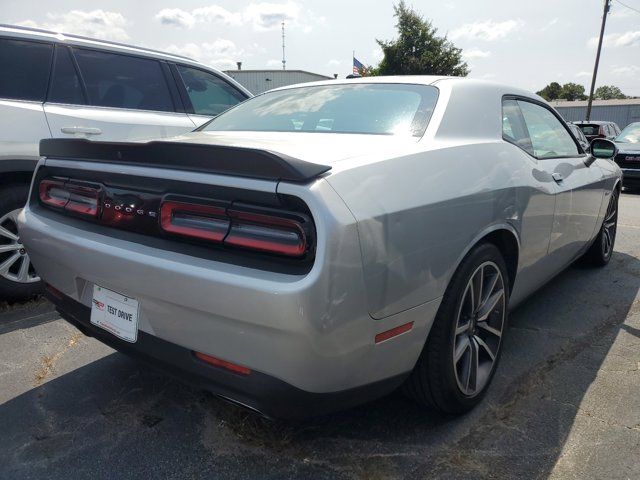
(462,351)
(18,279)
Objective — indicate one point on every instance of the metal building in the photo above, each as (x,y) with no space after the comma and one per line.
(258,81)
(622,112)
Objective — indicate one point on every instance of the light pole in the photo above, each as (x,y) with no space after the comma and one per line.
(607,6)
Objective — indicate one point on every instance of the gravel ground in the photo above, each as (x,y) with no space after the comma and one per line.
(565,403)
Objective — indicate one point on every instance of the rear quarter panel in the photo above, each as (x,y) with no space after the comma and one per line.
(419,214)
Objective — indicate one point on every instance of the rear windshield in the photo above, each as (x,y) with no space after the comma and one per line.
(379,109)
(590,129)
(631,134)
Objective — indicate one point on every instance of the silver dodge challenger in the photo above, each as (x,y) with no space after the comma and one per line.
(321,245)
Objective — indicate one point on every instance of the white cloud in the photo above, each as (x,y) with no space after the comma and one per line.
(222,53)
(175,17)
(267,16)
(474,53)
(274,63)
(261,16)
(377,54)
(96,23)
(583,74)
(488,30)
(626,70)
(217,14)
(549,24)
(626,39)
(334,63)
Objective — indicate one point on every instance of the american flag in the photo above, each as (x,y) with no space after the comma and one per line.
(357,66)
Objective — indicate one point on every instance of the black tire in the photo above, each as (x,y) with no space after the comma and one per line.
(13,197)
(434,380)
(601,250)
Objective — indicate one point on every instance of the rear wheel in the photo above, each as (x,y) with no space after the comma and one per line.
(18,279)
(460,356)
(601,250)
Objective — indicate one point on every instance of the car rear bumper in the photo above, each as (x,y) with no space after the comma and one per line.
(265,394)
(311,331)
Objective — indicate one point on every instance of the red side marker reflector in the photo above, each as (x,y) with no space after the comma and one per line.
(216,362)
(394,332)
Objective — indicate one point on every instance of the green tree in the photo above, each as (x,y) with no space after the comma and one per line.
(418,50)
(572,91)
(608,92)
(551,91)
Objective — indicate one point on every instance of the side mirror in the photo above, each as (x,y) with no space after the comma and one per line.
(602,148)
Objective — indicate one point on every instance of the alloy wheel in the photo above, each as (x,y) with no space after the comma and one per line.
(479,327)
(609,226)
(15,264)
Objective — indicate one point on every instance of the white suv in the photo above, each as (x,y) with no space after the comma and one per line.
(65,86)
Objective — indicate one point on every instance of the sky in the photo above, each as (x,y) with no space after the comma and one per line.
(524,43)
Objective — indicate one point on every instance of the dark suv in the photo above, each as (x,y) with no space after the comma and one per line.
(599,129)
(628,157)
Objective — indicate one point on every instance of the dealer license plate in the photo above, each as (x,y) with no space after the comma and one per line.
(115,313)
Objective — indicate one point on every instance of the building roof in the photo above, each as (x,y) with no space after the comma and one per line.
(275,70)
(596,103)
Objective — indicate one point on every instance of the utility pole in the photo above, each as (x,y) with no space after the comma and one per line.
(284,62)
(607,6)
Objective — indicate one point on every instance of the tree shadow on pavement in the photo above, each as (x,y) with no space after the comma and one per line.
(114,418)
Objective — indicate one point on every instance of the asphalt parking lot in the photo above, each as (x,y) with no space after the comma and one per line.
(565,403)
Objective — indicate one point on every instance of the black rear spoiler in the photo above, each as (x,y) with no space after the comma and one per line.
(218,159)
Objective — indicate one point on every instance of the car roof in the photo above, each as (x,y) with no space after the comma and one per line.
(594,122)
(29,33)
(434,80)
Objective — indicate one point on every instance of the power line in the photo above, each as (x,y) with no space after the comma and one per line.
(625,5)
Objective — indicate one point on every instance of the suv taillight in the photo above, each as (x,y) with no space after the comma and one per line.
(244,226)
(70,197)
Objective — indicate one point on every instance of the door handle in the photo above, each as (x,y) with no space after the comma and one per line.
(85,130)
(557,177)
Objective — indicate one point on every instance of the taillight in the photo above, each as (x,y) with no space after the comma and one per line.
(212,221)
(206,222)
(267,233)
(70,197)
(244,226)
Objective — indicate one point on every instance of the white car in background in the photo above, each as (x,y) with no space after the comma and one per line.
(66,86)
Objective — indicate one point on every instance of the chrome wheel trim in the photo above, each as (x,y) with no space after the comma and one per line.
(609,226)
(478,329)
(15,264)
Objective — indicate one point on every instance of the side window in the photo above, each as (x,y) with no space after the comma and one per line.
(549,137)
(209,94)
(25,69)
(514,129)
(123,81)
(65,85)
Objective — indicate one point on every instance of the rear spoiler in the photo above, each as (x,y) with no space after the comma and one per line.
(217,159)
